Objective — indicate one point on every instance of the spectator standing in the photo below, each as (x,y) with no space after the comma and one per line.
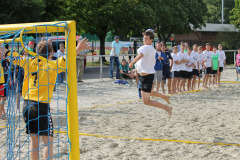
(130,51)
(61,53)
(166,70)
(160,58)
(80,64)
(237,64)
(222,62)
(117,46)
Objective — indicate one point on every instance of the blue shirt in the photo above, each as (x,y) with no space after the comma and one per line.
(117,47)
(159,63)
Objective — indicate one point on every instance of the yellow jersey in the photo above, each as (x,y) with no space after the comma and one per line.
(2,80)
(39,77)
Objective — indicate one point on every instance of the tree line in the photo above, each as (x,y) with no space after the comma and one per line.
(125,18)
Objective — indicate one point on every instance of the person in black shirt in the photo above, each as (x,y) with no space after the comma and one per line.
(166,70)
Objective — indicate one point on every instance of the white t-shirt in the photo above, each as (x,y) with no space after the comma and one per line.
(147,63)
(182,56)
(175,67)
(191,61)
(221,58)
(195,58)
(200,59)
(208,57)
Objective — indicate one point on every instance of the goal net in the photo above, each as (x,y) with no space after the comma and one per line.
(38,95)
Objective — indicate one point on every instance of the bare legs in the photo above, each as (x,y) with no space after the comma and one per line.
(2,110)
(148,101)
(47,150)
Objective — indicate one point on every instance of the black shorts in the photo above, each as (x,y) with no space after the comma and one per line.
(200,74)
(183,74)
(214,72)
(124,76)
(146,82)
(189,75)
(37,118)
(220,69)
(208,70)
(175,74)
(166,74)
(195,72)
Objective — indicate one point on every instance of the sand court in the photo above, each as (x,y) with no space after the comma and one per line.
(208,116)
(115,124)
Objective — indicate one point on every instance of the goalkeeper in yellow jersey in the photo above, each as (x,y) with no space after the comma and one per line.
(39,81)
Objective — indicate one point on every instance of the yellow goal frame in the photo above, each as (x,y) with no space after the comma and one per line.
(72,104)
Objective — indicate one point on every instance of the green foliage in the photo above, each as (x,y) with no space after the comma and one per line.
(235,17)
(215,11)
(122,17)
(24,11)
(173,16)
(20,11)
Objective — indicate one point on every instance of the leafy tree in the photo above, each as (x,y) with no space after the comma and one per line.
(122,17)
(235,17)
(177,16)
(24,11)
(215,11)
(20,11)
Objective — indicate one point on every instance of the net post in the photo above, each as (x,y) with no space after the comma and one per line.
(72,106)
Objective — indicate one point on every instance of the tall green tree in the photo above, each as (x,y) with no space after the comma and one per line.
(215,11)
(122,17)
(24,11)
(235,14)
(177,17)
(20,11)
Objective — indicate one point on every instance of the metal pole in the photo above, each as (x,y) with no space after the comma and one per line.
(234,57)
(222,11)
(101,67)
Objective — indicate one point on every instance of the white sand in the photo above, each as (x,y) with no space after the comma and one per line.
(210,116)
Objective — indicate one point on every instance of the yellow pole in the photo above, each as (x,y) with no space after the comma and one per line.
(72,106)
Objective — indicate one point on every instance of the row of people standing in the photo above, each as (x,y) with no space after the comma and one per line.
(188,64)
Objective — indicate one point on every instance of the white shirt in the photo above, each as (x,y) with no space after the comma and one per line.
(195,58)
(208,57)
(147,63)
(200,59)
(182,56)
(221,58)
(191,61)
(175,66)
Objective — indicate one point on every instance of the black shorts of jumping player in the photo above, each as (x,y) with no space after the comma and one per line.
(175,74)
(195,72)
(208,70)
(214,72)
(37,117)
(189,75)
(220,69)
(146,82)
(183,74)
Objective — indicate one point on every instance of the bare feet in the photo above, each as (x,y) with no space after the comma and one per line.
(169,110)
(167,99)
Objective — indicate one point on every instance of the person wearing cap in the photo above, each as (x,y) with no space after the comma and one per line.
(30,46)
(117,46)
